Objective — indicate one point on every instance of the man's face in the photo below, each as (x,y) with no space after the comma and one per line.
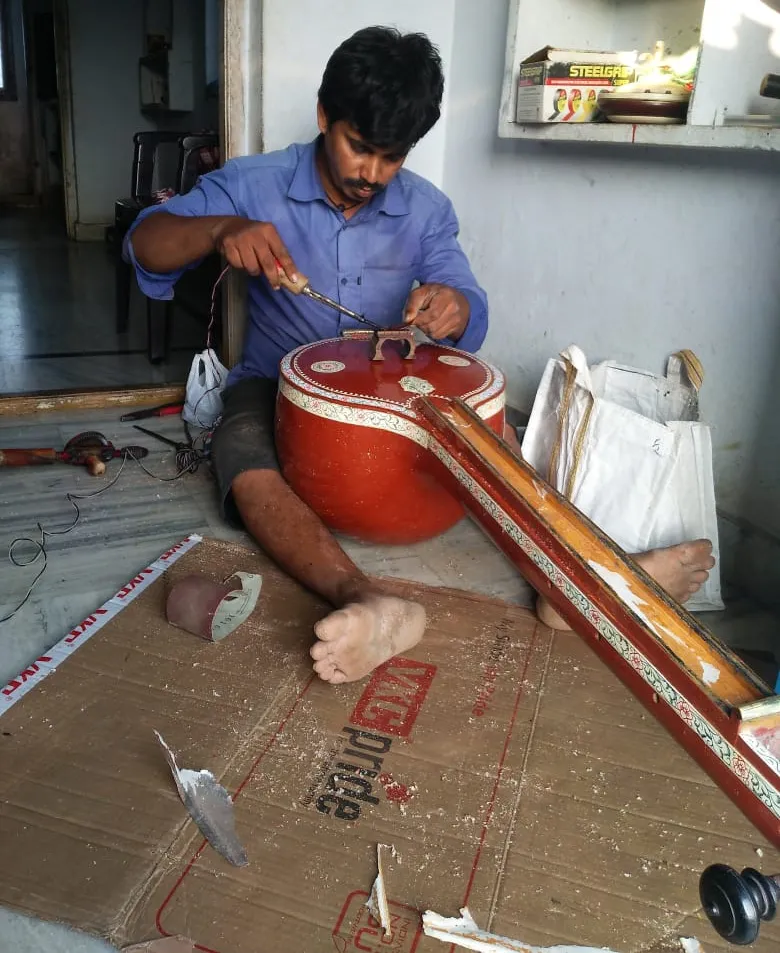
(356,169)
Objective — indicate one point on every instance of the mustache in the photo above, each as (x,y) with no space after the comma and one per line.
(374,187)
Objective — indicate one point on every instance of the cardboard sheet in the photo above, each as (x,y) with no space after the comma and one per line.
(510,770)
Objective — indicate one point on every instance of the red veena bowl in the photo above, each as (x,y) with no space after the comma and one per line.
(352,445)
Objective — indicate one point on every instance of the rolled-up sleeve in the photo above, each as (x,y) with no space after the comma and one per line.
(214,194)
(444,262)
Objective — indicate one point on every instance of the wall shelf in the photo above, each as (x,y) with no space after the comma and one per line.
(695,137)
(739,42)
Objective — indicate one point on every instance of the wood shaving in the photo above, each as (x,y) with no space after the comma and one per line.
(170,944)
(690,944)
(377,903)
(463,931)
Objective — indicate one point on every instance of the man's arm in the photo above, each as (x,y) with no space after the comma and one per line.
(170,241)
(449,305)
(166,240)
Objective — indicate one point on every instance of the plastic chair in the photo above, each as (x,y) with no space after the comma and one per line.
(194,287)
(146,155)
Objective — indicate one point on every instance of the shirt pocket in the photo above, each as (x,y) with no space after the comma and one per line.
(386,286)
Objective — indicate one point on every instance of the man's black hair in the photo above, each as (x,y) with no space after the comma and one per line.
(386,84)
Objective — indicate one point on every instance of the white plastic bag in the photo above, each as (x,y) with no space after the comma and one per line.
(627,449)
(206,381)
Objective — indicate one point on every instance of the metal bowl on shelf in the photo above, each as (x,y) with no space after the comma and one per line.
(659,105)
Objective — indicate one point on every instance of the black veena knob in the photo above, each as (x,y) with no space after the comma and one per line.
(737,903)
(770,86)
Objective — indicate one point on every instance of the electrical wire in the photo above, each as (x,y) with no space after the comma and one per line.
(40,543)
(209,352)
(188,460)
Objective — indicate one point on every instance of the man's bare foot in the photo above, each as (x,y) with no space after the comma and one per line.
(549,617)
(680,570)
(354,640)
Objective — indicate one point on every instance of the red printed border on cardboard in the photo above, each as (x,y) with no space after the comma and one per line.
(34,674)
(373,930)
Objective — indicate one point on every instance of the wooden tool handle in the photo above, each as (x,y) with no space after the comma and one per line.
(26,458)
(94,465)
(297,287)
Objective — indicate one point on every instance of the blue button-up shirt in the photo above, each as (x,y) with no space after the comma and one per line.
(368,263)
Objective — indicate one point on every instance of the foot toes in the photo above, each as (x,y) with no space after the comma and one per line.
(330,627)
(700,553)
(347,621)
(319,650)
(354,640)
(681,569)
(326,670)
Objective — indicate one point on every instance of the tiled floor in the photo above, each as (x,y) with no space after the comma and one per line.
(57,324)
(137,519)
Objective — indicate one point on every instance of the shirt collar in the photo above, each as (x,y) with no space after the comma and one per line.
(306,185)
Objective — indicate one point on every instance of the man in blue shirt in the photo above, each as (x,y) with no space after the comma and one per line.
(363,230)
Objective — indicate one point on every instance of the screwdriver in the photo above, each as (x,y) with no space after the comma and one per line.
(302,287)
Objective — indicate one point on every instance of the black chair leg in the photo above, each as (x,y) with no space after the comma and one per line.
(158,324)
(123,280)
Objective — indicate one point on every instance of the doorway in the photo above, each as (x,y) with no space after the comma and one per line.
(79,80)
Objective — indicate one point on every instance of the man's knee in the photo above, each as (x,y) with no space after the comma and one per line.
(251,487)
(245,474)
(245,437)
(244,441)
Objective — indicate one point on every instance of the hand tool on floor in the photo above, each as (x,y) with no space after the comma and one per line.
(164,410)
(89,449)
(187,458)
(302,287)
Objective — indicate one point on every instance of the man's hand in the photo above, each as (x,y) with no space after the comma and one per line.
(438,310)
(254,247)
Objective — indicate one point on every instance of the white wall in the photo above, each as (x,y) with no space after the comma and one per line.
(298,38)
(630,254)
(106,43)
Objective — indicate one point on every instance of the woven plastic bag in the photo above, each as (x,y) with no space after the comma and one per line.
(627,449)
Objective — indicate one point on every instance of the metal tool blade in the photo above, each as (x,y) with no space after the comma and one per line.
(176,444)
(209,805)
(324,299)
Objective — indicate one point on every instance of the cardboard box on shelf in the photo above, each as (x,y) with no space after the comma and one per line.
(556,85)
